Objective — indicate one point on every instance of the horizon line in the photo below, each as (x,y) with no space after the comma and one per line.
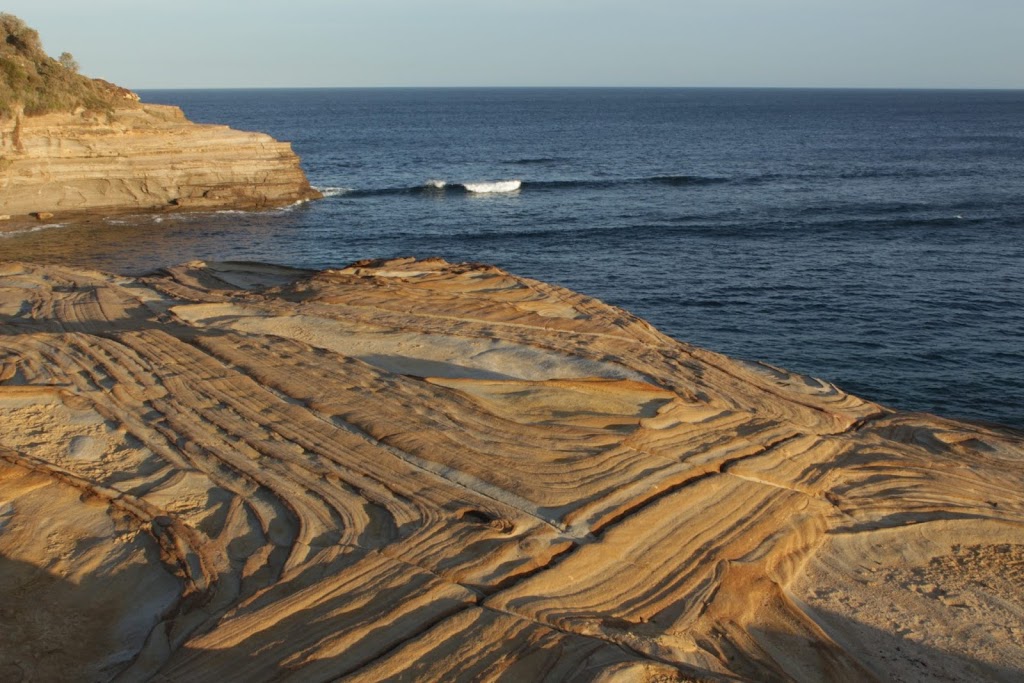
(590,87)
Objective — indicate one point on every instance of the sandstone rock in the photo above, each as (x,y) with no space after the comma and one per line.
(412,470)
(41,215)
(143,157)
(70,143)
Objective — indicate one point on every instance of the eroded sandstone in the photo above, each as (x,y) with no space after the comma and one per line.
(414,470)
(138,158)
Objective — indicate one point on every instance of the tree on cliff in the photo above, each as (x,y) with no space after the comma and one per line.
(68,61)
(35,83)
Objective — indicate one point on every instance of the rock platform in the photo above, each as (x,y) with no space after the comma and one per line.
(414,470)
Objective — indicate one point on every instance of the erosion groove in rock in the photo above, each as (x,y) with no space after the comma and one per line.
(415,470)
(145,157)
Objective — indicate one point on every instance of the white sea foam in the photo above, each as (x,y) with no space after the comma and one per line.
(290,207)
(332,191)
(37,228)
(497,186)
(435,184)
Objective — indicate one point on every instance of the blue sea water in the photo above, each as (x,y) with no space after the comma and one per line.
(872,238)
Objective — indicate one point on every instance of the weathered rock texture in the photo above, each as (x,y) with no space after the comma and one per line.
(409,470)
(144,157)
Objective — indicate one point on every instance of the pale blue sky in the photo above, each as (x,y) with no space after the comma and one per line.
(814,43)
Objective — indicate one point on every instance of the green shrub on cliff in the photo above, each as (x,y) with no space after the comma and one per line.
(38,84)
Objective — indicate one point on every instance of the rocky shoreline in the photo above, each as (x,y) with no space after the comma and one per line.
(419,470)
(140,158)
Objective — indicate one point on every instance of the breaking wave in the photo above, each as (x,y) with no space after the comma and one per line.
(497,186)
(332,191)
(434,186)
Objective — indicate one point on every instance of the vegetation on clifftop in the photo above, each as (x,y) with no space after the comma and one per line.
(34,82)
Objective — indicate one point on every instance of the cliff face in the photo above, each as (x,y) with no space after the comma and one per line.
(69,143)
(411,470)
(141,158)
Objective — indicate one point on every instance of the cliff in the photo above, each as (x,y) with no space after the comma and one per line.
(69,143)
(412,470)
(143,157)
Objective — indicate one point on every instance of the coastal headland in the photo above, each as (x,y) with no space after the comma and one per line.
(73,146)
(416,470)
(148,157)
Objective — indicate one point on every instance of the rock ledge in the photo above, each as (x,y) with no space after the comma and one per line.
(413,470)
(141,158)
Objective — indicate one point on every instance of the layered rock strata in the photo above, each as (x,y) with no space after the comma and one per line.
(411,470)
(138,158)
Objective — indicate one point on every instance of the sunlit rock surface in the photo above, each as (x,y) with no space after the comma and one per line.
(146,157)
(411,470)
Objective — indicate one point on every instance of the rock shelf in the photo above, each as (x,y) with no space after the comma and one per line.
(141,158)
(414,470)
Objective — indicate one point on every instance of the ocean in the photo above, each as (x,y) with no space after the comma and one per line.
(870,238)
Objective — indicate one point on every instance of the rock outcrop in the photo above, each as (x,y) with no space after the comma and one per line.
(137,158)
(73,144)
(411,470)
